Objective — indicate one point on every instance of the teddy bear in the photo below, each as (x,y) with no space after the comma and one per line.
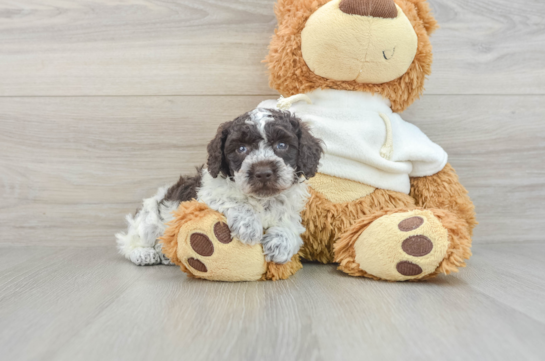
(385,204)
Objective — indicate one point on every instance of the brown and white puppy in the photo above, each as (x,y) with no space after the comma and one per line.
(255,175)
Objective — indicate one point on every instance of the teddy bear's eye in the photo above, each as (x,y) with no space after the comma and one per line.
(389,54)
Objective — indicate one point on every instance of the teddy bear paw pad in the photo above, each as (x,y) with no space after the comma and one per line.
(196,264)
(417,246)
(402,246)
(408,269)
(208,251)
(410,224)
(203,246)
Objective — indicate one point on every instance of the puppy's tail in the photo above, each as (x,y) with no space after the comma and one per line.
(144,227)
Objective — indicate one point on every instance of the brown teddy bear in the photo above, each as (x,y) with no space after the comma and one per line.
(385,203)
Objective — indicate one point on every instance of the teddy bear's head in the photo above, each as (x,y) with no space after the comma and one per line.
(378,46)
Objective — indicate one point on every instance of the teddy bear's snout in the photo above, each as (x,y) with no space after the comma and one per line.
(366,41)
(374,8)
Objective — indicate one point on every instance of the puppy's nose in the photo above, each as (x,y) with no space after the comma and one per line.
(375,8)
(263,172)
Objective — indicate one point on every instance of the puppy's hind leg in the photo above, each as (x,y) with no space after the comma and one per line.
(138,243)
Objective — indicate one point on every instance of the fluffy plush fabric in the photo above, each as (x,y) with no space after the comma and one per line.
(332,229)
(231,261)
(326,221)
(444,191)
(277,271)
(290,75)
(374,8)
(339,190)
(386,250)
(459,245)
(225,259)
(443,195)
(187,212)
(410,233)
(368,49)
(365,141)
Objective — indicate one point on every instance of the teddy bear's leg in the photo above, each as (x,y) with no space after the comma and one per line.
(199,241)
(404,244)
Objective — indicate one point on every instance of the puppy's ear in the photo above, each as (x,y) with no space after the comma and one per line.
(310,149)
(216,155)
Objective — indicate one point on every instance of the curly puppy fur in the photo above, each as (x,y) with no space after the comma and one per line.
(254,177)
(282,145)
(290,75)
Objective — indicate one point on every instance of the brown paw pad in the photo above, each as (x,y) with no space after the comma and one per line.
(201,244)
(408,269)
(222,232)
(410,224)
(197,265)
(417,246)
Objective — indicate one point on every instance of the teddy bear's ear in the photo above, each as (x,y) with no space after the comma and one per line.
(286,9)
(282,9)
(425,14)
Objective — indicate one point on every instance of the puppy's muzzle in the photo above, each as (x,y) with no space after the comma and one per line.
(263,173)
(263,178)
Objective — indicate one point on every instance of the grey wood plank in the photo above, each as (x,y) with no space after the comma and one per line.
(71,168)
(186,47)
(497,146)
(319,314)
(511,274)
(485,47)
(14,256)
(149,47)
(44,302)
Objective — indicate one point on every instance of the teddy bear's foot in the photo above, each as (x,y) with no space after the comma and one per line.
(200,242)
(401,245)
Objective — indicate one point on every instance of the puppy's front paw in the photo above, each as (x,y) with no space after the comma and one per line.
(248,230)
(280,245)
(145,257)
(164,259)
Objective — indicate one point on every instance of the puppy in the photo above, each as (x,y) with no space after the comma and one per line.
(255,176)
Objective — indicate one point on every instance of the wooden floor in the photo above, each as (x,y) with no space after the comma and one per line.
(87,303)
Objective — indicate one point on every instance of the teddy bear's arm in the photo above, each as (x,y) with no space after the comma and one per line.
(443,190)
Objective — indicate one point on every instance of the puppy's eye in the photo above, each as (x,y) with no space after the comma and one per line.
(242,149)
(281,146)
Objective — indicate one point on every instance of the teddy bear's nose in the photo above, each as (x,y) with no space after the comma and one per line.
(375,8)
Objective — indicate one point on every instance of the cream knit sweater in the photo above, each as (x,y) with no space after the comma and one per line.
(364,140)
